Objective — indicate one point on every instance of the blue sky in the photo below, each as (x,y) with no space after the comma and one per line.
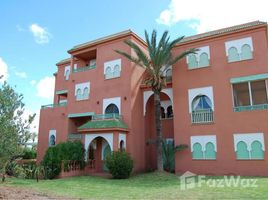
(35,35)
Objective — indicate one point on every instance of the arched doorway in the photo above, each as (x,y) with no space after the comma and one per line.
(167,126)
(98,150)
(111,109)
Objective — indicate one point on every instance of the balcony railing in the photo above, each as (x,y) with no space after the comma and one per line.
(107,116)
(202,116)
(253,107)
(54,105)
(82,69)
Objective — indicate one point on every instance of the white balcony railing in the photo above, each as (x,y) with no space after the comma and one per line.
(202,116)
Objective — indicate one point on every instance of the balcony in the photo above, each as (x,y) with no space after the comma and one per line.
(250,108)
(202,116)
(82,69)
(54,105)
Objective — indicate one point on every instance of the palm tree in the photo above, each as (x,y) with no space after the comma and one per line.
(156,61)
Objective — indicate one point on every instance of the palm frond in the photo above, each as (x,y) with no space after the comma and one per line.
(182,55)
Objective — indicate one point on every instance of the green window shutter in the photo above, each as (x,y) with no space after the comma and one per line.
(242,151)
(210,152)
(233,55)
(256,150)
(197,151)
(192,61)
(246,52)
(203,60)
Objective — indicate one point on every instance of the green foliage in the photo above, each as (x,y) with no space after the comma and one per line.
(169,151)
(63,153)
(119,164)
(28,153)
(15,130)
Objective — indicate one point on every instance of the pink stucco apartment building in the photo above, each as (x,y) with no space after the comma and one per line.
(215,101)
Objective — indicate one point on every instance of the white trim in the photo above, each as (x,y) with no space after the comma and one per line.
(238,44)
(248,138)
(54,133)
(121,137)
(148,94)
(108,101)
(192,93)
(90,137)
(67,68)
(203,140)
(204,49)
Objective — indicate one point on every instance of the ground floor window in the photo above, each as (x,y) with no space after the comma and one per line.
(203,147)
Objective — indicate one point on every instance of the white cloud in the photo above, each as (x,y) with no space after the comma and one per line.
(3,70)
(45,87)
(210,15)
(20,74)
(35,124)
(41,35)
(33,82)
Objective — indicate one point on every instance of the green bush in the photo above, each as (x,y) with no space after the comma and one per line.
(119,164)
(29,153)
(62,153)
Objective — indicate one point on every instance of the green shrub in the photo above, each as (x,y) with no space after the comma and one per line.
(62,153)
(119,164)
(29,153)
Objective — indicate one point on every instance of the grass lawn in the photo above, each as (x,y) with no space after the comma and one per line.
(144,186)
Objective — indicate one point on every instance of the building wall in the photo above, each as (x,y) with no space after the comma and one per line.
(226,121)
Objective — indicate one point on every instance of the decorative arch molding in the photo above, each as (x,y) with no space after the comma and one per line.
(116,101)
(90,137)
(249,138)
(203,140)
(122,137)
(148,94)
(193,93)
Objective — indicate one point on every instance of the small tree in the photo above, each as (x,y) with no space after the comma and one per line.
(15,130)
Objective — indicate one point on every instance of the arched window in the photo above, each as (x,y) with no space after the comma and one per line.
(78,94)
(108,73)
(192,61)
(169,73)
(116,71)
(242,151)
(201,102)
(197,151)
(256,150)
(210,152)
(203,60)
(122,145)
(52,140)
(246,52)
(163,114)
(233,55)
(85,93)
(111,108)
(169,112)
(67,74)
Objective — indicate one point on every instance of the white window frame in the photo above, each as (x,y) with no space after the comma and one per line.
(112,65)
(82,86)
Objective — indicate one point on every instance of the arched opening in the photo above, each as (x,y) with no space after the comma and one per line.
(201,102)
(122,145)
(169,112)
(256,150)
(197,151)
(202,109)
(52,140)
(98,150)
(108,73)
(86,93)
(233,54)
(116,71)
(242,151)
(67,74)
(192,61)
(246,52)
(203,60)
(210,152)
(111,109)
(78,94)
(150,131)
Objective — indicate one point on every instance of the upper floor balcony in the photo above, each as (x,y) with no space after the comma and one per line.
(61,104)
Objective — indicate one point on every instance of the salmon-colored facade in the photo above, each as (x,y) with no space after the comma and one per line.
(215,102)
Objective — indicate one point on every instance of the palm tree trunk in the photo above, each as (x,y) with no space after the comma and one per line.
(159,137)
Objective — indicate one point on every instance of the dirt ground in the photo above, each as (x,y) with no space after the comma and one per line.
(13,193)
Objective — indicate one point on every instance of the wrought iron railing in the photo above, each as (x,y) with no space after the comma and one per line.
(253,107)
(82,69)
(54,105)
(107,116)
(202,116)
